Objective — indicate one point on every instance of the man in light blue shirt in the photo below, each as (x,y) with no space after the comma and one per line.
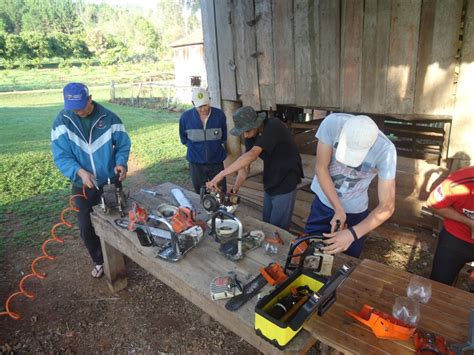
(351,152)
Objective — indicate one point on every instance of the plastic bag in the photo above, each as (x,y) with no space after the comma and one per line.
(406,310)
(419,289)
(270,248)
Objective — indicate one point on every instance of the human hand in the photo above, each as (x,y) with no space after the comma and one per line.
(337,242)
(214,183)
(234,190)
(121,171)
(338,220)
(87,178)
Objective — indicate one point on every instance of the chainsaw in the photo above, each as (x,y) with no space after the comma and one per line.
(226,229)
(212,200)
(113,197)
(179,235)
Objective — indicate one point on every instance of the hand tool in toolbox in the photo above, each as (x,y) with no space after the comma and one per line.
(226,287)
(272,272)
(383,325)
(287,306)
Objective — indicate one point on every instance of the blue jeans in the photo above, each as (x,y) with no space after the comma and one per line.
(319,222)
(278,209)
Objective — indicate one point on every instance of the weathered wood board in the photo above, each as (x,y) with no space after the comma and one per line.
(378,285)
(438,45)
(265,65)
(351,56)
(245,53)
(225,50)
(192,275)
(402,57)
(210,51)
(284,51)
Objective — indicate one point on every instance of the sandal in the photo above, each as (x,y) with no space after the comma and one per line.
(98,271)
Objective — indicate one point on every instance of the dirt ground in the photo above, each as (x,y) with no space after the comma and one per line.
(76,314)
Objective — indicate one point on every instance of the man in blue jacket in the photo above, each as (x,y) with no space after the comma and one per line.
(90,146)
(203,130)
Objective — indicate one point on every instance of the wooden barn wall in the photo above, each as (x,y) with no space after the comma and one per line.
(210,51)
(373,56)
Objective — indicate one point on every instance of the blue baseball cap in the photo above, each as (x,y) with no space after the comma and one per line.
(76,96)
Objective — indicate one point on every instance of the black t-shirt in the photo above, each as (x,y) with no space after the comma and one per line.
(282,167)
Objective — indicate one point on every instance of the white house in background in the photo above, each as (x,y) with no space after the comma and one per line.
(189,66)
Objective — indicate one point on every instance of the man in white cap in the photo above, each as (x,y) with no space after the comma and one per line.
(203,130)
(351,152)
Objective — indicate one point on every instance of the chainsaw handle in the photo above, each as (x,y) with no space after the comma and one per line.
(220,213)
(295,244)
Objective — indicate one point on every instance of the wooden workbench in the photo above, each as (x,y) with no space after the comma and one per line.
(192,275)
(375,284)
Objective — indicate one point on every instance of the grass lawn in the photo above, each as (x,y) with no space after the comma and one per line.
(33,192)
(49,78)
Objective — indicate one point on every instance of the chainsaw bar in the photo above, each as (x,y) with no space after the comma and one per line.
(156,232)
(250,290)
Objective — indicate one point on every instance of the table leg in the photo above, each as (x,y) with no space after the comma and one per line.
(114,267)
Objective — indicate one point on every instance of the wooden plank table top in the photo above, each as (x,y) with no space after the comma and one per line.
(192,275)
(378,285)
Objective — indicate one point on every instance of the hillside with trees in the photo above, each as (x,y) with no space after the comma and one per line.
(36,32)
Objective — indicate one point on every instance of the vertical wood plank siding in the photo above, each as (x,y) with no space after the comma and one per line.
(374,56)
(402,57)
(266,69)
(439,32)
(284,52)
(225,50)
(352,27)
(330,53)
(246,52)
(375,46)
(307,52)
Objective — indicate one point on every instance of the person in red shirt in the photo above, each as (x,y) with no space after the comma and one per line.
(453,200)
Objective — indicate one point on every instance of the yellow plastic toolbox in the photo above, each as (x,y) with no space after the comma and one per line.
(320,294)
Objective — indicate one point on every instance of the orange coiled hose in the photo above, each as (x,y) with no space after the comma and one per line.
(45,255)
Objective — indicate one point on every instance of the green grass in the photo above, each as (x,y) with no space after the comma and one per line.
(33,192)
(48,78)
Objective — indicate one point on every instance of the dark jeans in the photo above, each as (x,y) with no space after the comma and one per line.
(91,240)
(450,256)
(278,209)
(202,173)
(319,222)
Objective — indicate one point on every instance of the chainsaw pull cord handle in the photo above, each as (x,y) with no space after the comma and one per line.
(46,255)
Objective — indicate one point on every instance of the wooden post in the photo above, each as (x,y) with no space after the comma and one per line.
(233,142)
(112,90)
(114,267)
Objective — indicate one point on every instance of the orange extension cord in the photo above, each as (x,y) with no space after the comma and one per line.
(45,255)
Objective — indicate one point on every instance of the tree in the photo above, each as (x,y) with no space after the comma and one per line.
(11,12)
(52,15)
